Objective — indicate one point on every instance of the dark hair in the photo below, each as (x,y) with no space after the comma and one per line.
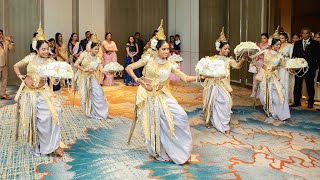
(136,33)
(35,34)
(51,39)
(1,30)
(57,38)
(155,32)
(306,28)
(177,35)
(94,45)
(171,37)
(129,39)
(295,34)
(87,32)
(107,34)
(70,39)
(160,43)
(265,34)
(223,44)
(285,35)
(274,41)
(40,42)
(318,33)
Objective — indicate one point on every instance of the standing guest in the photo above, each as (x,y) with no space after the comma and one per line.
(53,55)
(132,50)
(40,113)
(173,77)
(258,63)
(286,79)
(171,45)
(271,93)
(110,55)
(177,44)
(308,49)
(62,51)
(139,42)
(294,38)
(317,37)
(52,48)
(32,49)
(6,44)
(85,41)
(74,49)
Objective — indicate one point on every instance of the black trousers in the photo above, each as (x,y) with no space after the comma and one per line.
(309,77)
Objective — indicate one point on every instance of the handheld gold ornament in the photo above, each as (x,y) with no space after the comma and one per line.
(276,33)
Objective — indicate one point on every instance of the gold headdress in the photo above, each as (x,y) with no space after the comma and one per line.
(222,38)
(160,34)
(276,33)
(40,35)
(94,38)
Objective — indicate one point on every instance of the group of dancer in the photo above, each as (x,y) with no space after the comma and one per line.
(164,122)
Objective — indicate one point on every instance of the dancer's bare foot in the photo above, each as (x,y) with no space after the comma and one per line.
(193,159)
(228,132)
(58,151)
(209,125)
(110,117)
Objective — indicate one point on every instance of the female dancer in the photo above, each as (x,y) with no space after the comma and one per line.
(272,94)
(132,52)
(91,94)
(39,112)
(165,123)
(217,98)
(286,79)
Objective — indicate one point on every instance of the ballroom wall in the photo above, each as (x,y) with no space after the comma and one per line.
(198,22)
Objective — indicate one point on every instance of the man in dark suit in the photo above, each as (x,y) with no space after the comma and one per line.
(85,41)
(308,49)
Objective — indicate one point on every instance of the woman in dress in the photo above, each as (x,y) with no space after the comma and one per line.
(173,77)
(286,79)
(39,113)
(92,97)
(217,98)
(256,65)
(294,38)
(164,122)
(131,57)
(74,49)
(272,94)
(62,51)
(109,55)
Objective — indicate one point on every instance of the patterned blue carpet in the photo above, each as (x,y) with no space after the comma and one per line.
(255,149)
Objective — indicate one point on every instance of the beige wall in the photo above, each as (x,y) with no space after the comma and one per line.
(244,20)
(183,19)
(125,17)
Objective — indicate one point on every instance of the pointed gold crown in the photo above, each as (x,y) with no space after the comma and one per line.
(222,37)
(276,33)
(40,35)
(160,34)
(94,38)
